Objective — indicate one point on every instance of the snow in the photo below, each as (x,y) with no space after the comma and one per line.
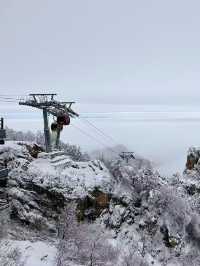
(62,172)
(42,167)
(132,223)
(32,253)
(10,145)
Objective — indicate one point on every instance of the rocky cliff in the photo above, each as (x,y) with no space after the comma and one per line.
(83,213)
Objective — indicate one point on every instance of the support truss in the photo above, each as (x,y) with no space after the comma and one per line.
(47,102)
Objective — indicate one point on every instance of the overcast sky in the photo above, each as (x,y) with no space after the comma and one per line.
(110,51)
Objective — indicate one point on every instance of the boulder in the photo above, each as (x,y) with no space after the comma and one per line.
(90,207)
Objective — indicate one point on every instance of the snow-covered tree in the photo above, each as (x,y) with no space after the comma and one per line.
(83,243)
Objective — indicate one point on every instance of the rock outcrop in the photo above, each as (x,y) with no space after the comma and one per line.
(150,219)
(38,188)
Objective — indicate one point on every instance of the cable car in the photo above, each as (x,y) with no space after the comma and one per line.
(54,126)
(63,119)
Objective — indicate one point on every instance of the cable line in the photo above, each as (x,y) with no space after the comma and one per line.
(106,142)
(13,95)
(7,101)
(100,131)
(92,137)
(124,155)
(6,98)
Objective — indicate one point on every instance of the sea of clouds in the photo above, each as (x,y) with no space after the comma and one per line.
(162,134)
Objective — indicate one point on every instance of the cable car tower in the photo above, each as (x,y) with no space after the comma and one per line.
(2,132)
(127,156)
(3,166)
(61,111)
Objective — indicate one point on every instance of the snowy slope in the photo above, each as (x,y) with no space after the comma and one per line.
(26,252)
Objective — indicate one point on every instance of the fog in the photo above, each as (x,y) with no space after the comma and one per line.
(161,134)
(120,60)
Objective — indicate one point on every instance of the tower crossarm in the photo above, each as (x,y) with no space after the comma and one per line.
(52,106)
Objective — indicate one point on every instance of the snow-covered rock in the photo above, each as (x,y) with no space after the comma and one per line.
(74,179)
(146,218)
(14,253)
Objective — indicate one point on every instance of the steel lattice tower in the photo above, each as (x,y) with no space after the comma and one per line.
(127,156)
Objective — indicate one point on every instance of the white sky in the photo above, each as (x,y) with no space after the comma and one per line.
(130,52)
(108,51)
